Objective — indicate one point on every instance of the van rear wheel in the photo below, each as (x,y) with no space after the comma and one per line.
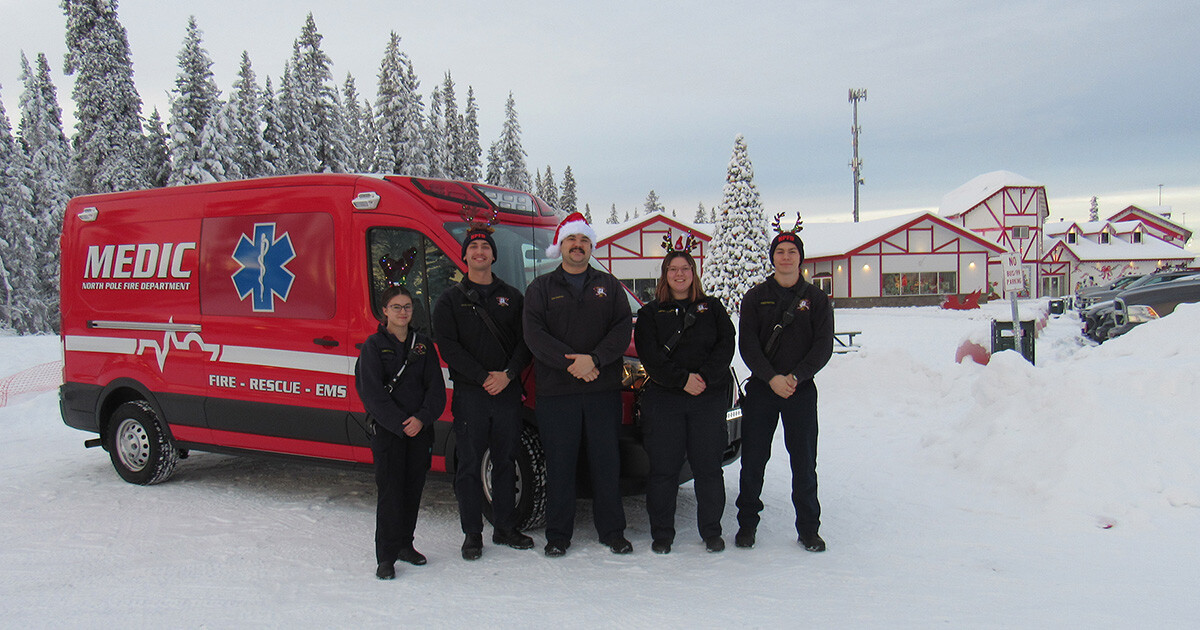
(140,449)
(529,477)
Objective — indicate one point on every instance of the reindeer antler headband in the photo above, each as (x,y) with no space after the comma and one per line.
(471,217)
(687,245)
(396,271)
(796,228)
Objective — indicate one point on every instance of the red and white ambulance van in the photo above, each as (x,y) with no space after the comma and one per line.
(227,317)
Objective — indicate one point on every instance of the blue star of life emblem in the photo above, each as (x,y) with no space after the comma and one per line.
(264,272)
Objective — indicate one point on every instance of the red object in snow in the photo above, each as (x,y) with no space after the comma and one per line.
(973,351)
(970,301)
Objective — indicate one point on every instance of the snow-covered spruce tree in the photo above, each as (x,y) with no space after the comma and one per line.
(701,214)
(539,186)
(493,164)
(738,258)
(613,219)
(41,136)
(19,266)
(471,151)
(318,107)
(509,156)
(370,148)
(452,132)
(437,158)
(653,204)
(158,151)
(1094,211)
(398,109)
(296,140)
(217,159)
(551,194)
(273,133)
(246,124)
(569,200)
(355,123)
(587,212)
(109,150)
(194,100)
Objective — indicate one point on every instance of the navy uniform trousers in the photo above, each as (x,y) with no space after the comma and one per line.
(761,411)
(401,463)
(678,426)
(482,422)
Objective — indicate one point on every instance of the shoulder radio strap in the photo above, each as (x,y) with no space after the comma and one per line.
(412,341)
(473,296)
(788,315)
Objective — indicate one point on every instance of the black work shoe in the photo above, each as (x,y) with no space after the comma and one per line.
(812,542)
(714,544)
(472,547)
(386,571)
(744,538)
(411,556)
(661,546)
(618,544)
(556,548)
(512,538)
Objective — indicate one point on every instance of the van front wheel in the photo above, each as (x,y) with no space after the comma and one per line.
(530,479)
(138,445)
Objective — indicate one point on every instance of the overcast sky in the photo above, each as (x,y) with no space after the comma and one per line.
(1086,97)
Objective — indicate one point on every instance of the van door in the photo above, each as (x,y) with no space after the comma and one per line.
(270,294)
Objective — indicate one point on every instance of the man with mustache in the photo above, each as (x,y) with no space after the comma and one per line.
(577,325)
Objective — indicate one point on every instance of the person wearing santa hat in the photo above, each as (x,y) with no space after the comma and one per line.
(577,324)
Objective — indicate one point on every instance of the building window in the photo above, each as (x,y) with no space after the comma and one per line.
(824,282)
(1072,238)
(1137,237)
(643,288)
(920,283)
(1020,232)
(1104,238)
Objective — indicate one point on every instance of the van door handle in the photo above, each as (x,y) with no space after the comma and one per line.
(326,342)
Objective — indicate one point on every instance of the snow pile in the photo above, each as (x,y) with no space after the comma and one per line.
(1009,495)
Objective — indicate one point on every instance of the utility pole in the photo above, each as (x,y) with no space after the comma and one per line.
(855,162)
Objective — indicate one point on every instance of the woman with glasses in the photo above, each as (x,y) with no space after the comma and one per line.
(685,341)
(399,380)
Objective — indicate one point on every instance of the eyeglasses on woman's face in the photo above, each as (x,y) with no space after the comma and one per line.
(400,308)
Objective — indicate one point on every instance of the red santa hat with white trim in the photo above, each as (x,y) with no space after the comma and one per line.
(575,223)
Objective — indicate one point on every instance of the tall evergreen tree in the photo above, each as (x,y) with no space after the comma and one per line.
(738,258)
(318,109)
(612,216)
(453,144)
(587,212)
(652,203)
(158,151)
(701,214)
(438,160)
(194,102)
(509,156)
(471,151)
(361,154)
(19,281)
(217,159)
(49,155)
(109,150)
(274,134)
(569,200)
(398,109)
(246,124)
(550,195)
(1094,211)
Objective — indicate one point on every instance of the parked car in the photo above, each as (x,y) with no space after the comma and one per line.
(1098,297)
(1084,297)
(1145,304)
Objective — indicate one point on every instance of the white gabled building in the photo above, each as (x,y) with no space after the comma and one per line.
(1095,252)
(633,250)
(905,260)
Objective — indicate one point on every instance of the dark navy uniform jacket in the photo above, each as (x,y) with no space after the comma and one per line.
(421,391)
(704,348)
(467,345)
(805,345)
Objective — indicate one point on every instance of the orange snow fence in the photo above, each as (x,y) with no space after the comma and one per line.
(39,378)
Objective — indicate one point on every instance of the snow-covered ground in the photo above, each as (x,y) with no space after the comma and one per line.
(1059,496)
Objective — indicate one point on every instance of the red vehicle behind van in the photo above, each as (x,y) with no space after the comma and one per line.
(227,317)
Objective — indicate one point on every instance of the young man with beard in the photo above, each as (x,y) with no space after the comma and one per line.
(578,325)
(477,326)
(786,337)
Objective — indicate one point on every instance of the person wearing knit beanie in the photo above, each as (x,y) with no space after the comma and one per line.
(786,237)
(477,234)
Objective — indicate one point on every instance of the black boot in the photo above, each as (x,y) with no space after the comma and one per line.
(386,571)
(812,542)
(411,556)
(661,546)
(714,544)
(512,538)
(472,547)
(744,538)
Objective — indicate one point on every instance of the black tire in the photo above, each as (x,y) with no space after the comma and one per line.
(530,478)
(140,449)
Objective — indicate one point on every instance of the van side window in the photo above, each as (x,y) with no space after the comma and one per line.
(431,273)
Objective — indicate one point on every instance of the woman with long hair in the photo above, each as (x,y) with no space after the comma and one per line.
(685,340)
(399,380)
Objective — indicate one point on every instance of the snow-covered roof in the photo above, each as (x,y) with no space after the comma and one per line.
(1117,249)
(979,189)
(607,230)
(822,240)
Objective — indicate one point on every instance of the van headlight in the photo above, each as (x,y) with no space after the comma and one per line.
(633,375)
(1140,314)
